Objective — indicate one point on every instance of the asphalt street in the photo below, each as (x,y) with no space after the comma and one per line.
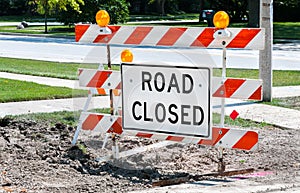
(285,57)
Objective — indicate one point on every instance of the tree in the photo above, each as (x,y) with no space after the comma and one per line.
(117,9)
(47,7)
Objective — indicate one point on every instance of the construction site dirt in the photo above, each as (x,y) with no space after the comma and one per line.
(38,157)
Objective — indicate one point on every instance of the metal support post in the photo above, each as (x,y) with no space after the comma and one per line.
(223,80)
(221,163)
(85,108)
(265,56)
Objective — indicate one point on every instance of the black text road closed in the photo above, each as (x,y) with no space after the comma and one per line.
(166,100)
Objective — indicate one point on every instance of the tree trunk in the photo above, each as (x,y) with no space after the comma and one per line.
(253,6)
(163,7)
(46,18)
(200,10)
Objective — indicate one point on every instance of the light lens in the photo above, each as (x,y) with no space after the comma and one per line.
(221,19)
(102,18)
(126,56)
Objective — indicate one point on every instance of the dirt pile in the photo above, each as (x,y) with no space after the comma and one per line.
(38,157)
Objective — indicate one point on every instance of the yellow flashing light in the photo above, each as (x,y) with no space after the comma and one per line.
(221,20)
(126,56)
(102,18)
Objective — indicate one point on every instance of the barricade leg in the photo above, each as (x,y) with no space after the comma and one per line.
(85,108)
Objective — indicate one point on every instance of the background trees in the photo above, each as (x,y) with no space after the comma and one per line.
(48,7)
(72,11)
(118,10)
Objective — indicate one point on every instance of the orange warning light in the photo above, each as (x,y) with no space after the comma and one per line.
(102,18)
(221,19)
(126,56)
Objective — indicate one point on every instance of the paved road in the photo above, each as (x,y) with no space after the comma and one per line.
(66,50)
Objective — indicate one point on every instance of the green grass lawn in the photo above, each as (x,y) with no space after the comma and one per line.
(69,70)
(286,30)
(71,119)
(280,78)
(52,30)
(14,90)
(42,68)
(282,30)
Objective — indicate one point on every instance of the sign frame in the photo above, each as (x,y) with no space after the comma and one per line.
(167,133)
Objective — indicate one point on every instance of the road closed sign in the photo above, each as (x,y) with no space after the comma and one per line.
(171,100)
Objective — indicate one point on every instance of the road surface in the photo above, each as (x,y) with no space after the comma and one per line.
(67,50)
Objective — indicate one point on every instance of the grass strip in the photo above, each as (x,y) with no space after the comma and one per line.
(71,118)
(69,71)
(286,102)
(42,68)
(281,30)
(15,90)
(280,78)
(58,30)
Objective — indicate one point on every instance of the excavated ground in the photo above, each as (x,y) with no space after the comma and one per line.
(38,157)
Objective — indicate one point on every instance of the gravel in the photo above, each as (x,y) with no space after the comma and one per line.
(38,157)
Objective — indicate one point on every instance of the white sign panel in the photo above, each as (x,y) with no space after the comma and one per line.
(171,100)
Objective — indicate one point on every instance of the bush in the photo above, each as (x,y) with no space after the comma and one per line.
(13,7)
(117,9)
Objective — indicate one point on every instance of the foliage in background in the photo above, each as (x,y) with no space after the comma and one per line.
(48,7)
(117,9)
(13,7)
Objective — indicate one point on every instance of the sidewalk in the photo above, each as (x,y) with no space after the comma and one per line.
(281,117)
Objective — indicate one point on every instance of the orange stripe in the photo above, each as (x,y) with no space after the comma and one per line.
(174,138)
(116,92)
(101,91)
(145,135)
(91,121)
(247,141)
(205,38)
(117,126)
(243,38)
(217,134)
(106,38)
(228,88)
(79,31)
(99,78)
(138,35)
(171,36)
(257,95)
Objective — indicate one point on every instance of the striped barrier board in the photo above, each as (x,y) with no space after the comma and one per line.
(221,137)
(242,38)
(230,88)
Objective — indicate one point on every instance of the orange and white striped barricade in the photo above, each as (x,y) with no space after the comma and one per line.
(231,88)
(181,37)
(99,81)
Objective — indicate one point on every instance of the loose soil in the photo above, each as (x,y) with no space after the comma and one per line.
(38,157)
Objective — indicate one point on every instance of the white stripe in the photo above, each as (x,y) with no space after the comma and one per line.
(159,137)
(246,89)
(122,35)
(218,42)
(105,124)
(90,35)
(231,138)
(112,81)
(154,36)
(188,37)
(86,76)
(254,147)
(257,43)
(192,140)
(216,84)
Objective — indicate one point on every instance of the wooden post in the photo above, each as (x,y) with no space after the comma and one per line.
(265,56)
